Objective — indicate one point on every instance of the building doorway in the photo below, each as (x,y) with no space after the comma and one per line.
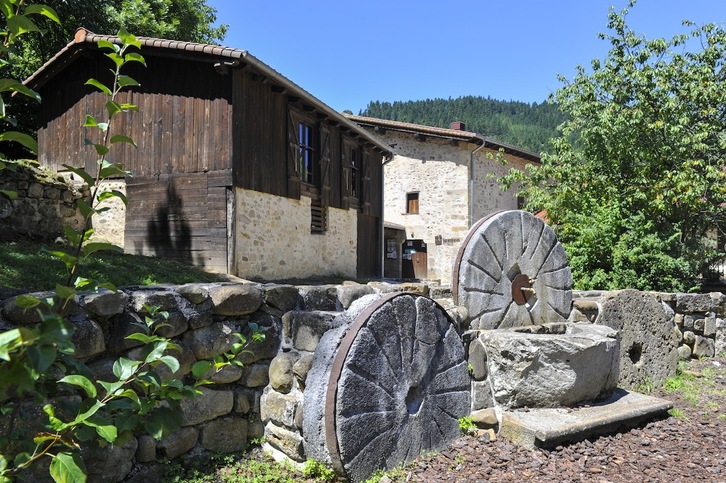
(414,263)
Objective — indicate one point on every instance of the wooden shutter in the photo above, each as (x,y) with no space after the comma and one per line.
(325,166)
(293,176)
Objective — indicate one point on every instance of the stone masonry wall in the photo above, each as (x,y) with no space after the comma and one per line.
(699,319)
(110,225)
(44,205)
(293,252)
(438,172)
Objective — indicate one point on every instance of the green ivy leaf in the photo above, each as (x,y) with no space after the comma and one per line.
(94,247)
(90,181)
(68,467)
(64,292)
(100,86)
(21,138)
(134,57)
(126,81)
(105,44)
(124,368)
(82,382)
(171,362)
(44,10)
(27,301)
(200,368)
(20,24)
(120,138)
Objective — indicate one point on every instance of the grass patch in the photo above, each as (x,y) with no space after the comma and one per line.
(25,266)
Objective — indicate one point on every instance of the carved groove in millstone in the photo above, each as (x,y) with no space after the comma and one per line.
(401,384)
(498,250)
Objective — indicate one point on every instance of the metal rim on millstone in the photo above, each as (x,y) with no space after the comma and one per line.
(511,270)
(398,385)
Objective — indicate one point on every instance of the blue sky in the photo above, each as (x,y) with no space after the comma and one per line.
(350,52)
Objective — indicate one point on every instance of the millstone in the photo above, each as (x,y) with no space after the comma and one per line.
(396,386)
(511,271)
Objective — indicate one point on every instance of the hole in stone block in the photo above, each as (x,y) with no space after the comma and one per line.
(635,351)
(413,400)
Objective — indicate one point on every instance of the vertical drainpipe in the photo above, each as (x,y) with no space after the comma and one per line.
(471,181)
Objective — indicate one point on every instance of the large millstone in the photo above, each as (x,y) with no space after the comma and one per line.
(511,271)
(391,384)
(648,337)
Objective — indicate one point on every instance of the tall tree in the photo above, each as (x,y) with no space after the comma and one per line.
(636,179)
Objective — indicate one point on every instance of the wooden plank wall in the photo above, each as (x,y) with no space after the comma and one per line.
(181,217)
(183,124)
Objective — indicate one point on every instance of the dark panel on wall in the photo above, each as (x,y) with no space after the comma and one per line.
(179,217)
(369,246)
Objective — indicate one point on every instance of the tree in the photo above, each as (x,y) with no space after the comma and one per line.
(636,179)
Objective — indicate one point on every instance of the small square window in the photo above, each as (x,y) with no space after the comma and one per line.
(412,203)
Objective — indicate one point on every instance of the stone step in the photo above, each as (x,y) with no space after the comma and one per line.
(548,427)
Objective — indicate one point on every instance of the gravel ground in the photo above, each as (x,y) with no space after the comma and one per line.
(690,447)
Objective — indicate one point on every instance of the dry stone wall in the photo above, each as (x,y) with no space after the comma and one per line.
(266,397)
(44,205)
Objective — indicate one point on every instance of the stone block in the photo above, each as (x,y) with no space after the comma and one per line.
(551,370)
(719,302)
(477,360)
(235,300)
(146,450)
(307,328)
(698,323)
(301,368)
(282,297)
(241,402)
(692,303)
(206,342)
(224,435)
(347,294)
(720,337)
(225,375)
(289,442)
(485,418)
(105,303)
(112,463)
(271,327)
(709,327)
(704,347)
(256,375)
(179,442)
(163,299)
(684,351)
(173,325)
(689,337)
(22,316)
(88,337)
(195,293)
(281,375)
(280,408)
(481,395)
(209,405)
(120,327)
(319,297)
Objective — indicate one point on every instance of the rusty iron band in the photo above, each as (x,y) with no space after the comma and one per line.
(331,394)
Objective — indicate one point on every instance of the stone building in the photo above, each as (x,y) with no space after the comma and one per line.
(438,183)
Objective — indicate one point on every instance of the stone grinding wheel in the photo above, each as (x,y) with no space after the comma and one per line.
(510,271)
(398,385)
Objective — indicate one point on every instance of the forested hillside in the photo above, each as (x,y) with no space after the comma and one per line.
(527,126)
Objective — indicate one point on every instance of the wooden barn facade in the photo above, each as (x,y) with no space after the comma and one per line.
(237,169)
